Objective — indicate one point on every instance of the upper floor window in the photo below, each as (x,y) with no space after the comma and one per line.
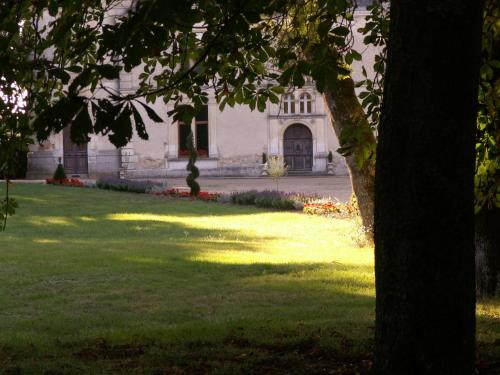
(305,103)
(288,104)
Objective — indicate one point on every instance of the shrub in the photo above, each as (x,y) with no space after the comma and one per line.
(265,199)
(359,235)
(130,186)
(245,198)
(303,198)
(330,157)
(59,174)
(224,198)
(276,168)
(191,167)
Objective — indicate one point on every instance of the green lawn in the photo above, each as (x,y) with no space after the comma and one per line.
(95,281)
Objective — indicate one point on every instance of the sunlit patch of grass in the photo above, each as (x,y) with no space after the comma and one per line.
(87,218)
(488,328)
(273,236)
(488,309)
(50,220)
(46,240)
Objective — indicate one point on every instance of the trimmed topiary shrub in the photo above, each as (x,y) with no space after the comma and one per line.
(194,171)
(59,174)
(330,157)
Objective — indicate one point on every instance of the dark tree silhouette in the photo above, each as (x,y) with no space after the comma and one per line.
(424,200)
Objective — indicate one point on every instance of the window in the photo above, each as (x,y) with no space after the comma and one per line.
(288,104)
(184,130)
(305,103)
(200,132)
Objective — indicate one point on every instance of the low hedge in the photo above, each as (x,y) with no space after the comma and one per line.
(265,199)
(131,186)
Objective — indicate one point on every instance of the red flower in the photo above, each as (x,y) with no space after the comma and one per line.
(203,195)
(64,181)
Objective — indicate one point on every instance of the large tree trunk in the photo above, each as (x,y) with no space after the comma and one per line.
(424,200)
(488,252)
(347,112)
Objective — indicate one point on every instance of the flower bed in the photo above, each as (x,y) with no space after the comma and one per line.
(203,195)
(64,181)
(330,208)
(208,197)
(321,208)
(309,204)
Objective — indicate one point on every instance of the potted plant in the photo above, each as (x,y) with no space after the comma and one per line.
(330,166)
(263,166)
(276,168)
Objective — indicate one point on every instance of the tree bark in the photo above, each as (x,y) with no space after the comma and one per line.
(488,252)
(347,112)
(424,196)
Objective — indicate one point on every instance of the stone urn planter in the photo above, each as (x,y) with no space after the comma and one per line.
(263,169)
(330,165)
(330,168)
(263,165)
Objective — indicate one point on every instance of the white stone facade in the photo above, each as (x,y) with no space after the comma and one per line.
(237,138)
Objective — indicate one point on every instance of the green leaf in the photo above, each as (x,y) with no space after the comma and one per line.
(261,103)
(81,81)
(139,124)
(53,8)
(341,30)
(74,69)
(81,126)
(108,71)
(150,112)
(122,129)
(298,79)
(60,74)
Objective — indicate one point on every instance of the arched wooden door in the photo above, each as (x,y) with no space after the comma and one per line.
(298,148)
(75,156)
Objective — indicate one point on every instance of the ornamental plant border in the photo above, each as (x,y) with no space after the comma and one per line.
(271,199)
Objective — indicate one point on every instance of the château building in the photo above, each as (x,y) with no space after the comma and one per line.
(229,143)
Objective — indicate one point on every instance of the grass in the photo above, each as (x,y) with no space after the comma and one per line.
(96,281)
